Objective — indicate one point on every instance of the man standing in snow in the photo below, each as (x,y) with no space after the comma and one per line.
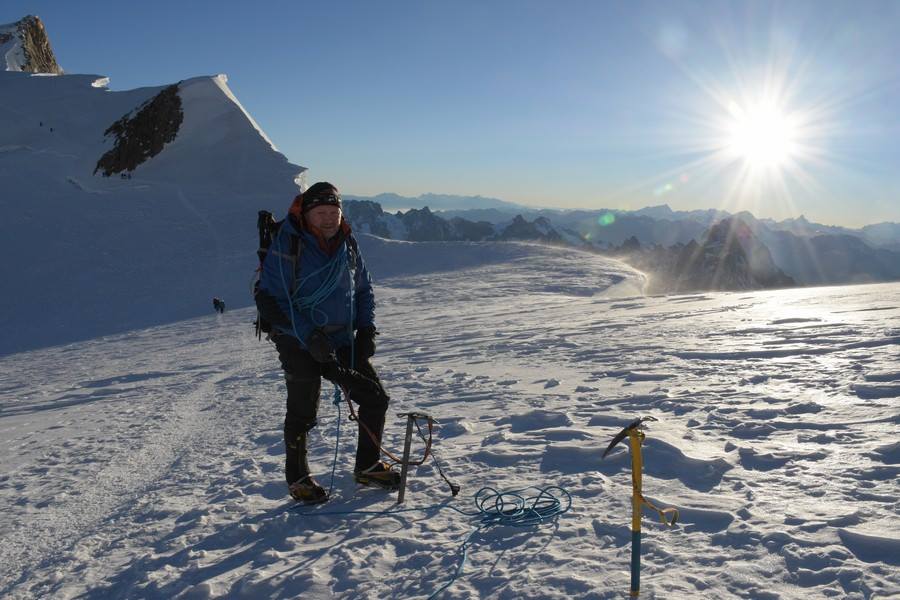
(316,293)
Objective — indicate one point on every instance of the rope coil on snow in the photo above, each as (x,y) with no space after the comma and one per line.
(512,508)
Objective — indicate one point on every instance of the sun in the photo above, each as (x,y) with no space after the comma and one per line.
(756,138)
(762,135)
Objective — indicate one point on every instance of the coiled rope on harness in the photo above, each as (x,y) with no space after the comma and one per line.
(332,272)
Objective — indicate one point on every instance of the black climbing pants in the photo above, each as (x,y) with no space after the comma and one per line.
(303,377)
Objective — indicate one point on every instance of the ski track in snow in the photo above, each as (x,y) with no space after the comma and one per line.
(148,465)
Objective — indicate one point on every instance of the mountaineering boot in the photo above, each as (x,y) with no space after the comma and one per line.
(379,474)
(301,485)
(308,491)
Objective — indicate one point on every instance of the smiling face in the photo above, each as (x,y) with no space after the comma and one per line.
(326,218)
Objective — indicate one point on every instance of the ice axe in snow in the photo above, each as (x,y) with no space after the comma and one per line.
(634,431)
(412,418)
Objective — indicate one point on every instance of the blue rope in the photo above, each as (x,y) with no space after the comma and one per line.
(332,269)
(337,441)
(511,509)
(337,390)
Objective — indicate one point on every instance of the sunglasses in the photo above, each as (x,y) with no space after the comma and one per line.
(326,197)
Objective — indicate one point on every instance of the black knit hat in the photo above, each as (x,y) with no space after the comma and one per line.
(319,194)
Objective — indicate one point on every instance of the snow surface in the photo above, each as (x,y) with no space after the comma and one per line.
(148,464)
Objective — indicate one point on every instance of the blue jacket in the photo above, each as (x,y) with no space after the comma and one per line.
(316,292)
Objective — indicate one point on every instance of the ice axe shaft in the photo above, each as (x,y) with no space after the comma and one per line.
(404,468)
(635,437)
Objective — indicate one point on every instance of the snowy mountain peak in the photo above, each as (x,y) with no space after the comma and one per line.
(24,46)
(661,211)
(182,170)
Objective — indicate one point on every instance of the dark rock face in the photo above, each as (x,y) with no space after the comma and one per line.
(473,231)
(39,57)
(730,257)
(425,226)
(142,136)
(539,229)
(632,244)
(367,217)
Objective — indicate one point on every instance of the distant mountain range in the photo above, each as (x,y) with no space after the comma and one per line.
(438,202)
(617,225)
(685,249)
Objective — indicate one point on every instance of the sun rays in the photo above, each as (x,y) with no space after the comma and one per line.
(747,131)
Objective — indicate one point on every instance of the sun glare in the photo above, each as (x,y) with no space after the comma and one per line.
(751,134)
(761,135)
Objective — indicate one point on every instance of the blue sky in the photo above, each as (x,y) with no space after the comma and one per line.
(566,104)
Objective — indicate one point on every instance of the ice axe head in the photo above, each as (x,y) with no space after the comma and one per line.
(636,424)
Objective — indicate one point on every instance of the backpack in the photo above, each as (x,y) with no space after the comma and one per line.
(268,228)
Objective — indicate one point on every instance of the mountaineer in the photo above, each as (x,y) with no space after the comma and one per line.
(315,300)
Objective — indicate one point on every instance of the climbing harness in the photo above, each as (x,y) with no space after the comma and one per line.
(635,434)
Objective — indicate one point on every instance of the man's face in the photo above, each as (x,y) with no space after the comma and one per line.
(325,218)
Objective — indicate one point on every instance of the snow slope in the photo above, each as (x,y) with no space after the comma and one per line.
(91,255)
(148,464)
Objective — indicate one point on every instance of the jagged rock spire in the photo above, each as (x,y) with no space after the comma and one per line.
(24,46)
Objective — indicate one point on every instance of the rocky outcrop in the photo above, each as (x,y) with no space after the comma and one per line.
(474,231)
(425,226)
(730,257)
(539,229)
(367,217)
(143,136)
(37,55)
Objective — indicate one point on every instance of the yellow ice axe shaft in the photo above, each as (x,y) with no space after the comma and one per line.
(635,437)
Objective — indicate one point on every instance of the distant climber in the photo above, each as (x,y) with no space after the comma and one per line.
(314,292)
(219,305)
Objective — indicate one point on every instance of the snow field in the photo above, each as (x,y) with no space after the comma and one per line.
(149,464)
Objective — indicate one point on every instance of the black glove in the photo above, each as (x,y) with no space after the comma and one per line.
(365,341)
(270,311)
(320,347)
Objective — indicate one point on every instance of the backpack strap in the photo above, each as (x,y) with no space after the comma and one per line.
(294,257)
(267,228)
(352,253)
